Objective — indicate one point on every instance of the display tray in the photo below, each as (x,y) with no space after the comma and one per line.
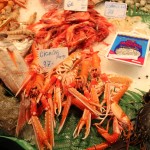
(141,82)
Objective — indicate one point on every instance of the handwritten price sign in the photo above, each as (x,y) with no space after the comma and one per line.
(76,5)
(49,58)
(115,10)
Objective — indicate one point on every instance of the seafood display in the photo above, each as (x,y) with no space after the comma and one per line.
(46,97)
(77,82)
(15,42)
(9,13)
(75,30)
(143,5)
(126,25)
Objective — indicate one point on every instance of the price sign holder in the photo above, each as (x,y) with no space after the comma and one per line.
(49,58)
(115,10)
(76,5)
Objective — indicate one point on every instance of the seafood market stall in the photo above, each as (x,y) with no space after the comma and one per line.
(74,74)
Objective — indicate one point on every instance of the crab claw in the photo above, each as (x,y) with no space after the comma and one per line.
(57,98)
(111,138)
(101,146)
(65,112)
(83,100)
(122,117)
(40,134)
(50,121)
(85,120)
(86,117)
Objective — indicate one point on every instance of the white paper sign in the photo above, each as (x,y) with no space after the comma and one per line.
(49,58)
(76,5)
(115,10)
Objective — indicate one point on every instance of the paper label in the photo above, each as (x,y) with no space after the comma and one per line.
(115,10)
(49,58)
(76,5)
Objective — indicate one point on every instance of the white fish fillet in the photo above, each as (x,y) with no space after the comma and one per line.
(12,73)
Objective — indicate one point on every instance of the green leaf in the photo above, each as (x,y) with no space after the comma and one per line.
(136,96)
(141,91)
(25,145)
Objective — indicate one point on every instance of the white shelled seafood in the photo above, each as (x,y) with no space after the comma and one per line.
(143,5)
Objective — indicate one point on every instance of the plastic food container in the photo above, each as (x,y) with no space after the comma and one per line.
(129,48)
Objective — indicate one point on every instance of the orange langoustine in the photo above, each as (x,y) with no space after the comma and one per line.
(115,88)
(53,93)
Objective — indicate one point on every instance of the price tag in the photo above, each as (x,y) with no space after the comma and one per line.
(76,5)
(49,58)
(115,10)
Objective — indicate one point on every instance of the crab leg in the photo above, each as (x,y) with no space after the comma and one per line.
(65,112)
(96,69)
(86,117)
(34,70)
(83,100)
(116,132)
(111,138)
(106,100)
(94,96)
(21,3)
(122,117)
(57,102)
(49,117)
(101,146)
(40,134)
(85,120)
(49,82)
